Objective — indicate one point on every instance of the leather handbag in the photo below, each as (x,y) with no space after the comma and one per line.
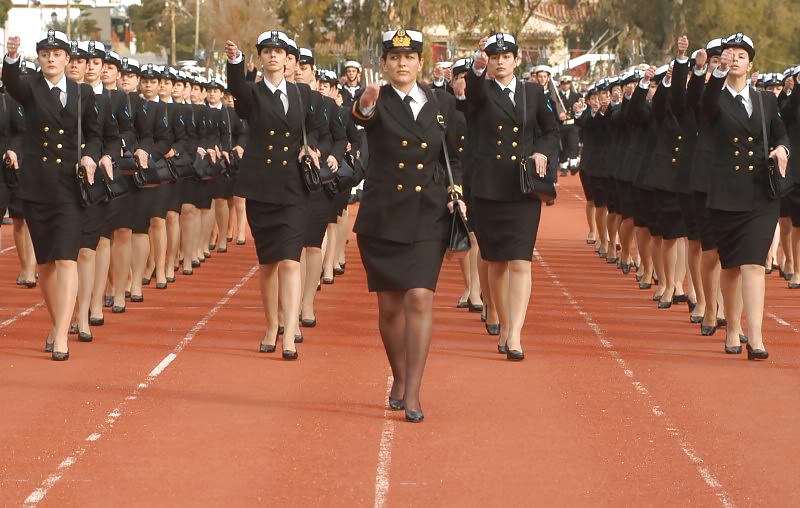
(327,179)
(779,185)
(350,173)
(154,174)
(88,194)
(203,168)
(10,174)
(183,166)
(530,183)
(458,241)
(310,174)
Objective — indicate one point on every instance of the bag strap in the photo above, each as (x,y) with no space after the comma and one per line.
(302,117)
(80,124)
(442,130)
(230,128)
(763,127)
(524,112)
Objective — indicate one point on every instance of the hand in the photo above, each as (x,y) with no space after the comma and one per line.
(789,85)
(541,164)
(311,153)
(11,47)
(448,74)
(701,59)
(11,157)
(577,107)
(232,50)
(438,73)
(461,206)
(481,60)
(251,66)
(594,103)
(725,60)
(90,167)
(562,116)
(482,43)
(333,163)
(460,88)
(781,155)
(227,157)
(170,154)
(141,157)
(668,78)
(239,150)
(649,74)
(683,45)
(201,152)
(106,164)
(370,96)
(754,79)
(213,155)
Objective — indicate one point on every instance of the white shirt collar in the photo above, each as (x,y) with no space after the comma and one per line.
(272,88)
(416,93)
(156,99)
(169,100)
(745,93)
(512,85)
(98,90)
(218,106)
(62,84)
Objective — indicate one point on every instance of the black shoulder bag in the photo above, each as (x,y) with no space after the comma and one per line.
(308,172)
(9,173)
(530,183)
(779,185)
(459,233)
(89,194)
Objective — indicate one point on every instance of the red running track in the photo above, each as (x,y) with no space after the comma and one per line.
(617,403)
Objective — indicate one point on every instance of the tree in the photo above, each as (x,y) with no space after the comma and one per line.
(5,6)
(150,21)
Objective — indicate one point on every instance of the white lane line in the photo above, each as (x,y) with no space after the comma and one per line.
(671,428)
(26,312)
(782,322)
(8,249)
(113,417)
(384,452)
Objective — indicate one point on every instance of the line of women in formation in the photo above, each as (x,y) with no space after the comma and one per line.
(460,149)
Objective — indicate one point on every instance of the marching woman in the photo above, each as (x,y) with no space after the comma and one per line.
(403,223)
(741,212)
(237,221)
(271,177)
(790,112)
(507,221)
(49,188)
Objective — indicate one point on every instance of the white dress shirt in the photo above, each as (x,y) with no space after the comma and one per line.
(62,85)
(745,93)
(282,88)
(512,85)
(98,90)
(418,98)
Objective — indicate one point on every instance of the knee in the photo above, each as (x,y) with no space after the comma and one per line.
(519,268)
(419,300)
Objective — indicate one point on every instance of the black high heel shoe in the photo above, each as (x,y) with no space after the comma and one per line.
(60,357)
(161,285)
(48,346)
(308,323)
(97,321)
(692,306)
(85,337)
(298,338)
(502,349)
(73,329)
(396,404)
(108,301)
(170,280)
(493,330)
(473,307)
(645,285)
(145,282)
(733,350)
(676,299)
(514,355)
(266,348)
(722,323)
(696,320)
(462,304)
(744,339)
(118,310)
(756,354)
(137,298)
(289,355)
(338,270)
(664,305)
(414,416)
(626,268)
(327,282)
(707,331)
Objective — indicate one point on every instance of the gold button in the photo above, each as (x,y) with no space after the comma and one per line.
(269,161)
(399,186)
(425,145)
(44,144)
(418,188)
(401,165)
(513,157)
(735,140)
(499,127)
(46,129)
(498,157)
(674,161)
(499,142)
(285,148)
(44,159)
(404,143)
(736,153)
(677,149)
(750,139)
(737,168)
(749,168)
(516,129)
(271,133)
(83,145)
(750,153)
(269,147)
(462,138)
(58,145)
(58,161)
(287,134)
(460,149)
(284,163)
(680,138)
(514,144)
(61,131)
(420,166)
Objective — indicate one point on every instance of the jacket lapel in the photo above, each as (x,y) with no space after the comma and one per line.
(733,107)
(43,96)
(295,115)
(272,104)
(755,118)
(395,107)
(501,99)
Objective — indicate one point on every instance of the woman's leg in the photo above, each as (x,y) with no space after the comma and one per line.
(223,217)
(474,277)
(753,298)
(590,221)
(173,243)
(418,309)
(669,261)
(190,218)
(612,225)
(680,267)
(519,294)
(85,266)
(313,267)
(158,238)
(233,219)
(392,325)
(121,254)
(602,229)
(488,305)
(711,286)
(65,293)
(101,270)
(141,251)
(499,282)
(27,258)
(785,226)
(694,258)
(241,217)
(330,258)
(268,286)
(289,293)
(343,230)
(796,255)
(626,239)
(656,245)
(647,266)
(730,281)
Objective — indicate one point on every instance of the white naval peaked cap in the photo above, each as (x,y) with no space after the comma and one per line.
(353,64)
(414,34)
(53,39)
(275,37)
(542,68)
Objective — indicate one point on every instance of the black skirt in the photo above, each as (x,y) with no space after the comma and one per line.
(278,230)
(141,204)
(222,187)
(612,196)
(600,191)
(668,220)
(121,212)
(174,201)
(318,211)
(794,206)
(586,183)
(56,230)
(201,196)
(744,238)
(393,266)
(158,201)
(506,230)
(16,209)
(689,218)
(626,199)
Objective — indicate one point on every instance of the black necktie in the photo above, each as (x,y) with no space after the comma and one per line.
(56,92)
(742,110)
(407,101)
(508,95)
(278,98)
